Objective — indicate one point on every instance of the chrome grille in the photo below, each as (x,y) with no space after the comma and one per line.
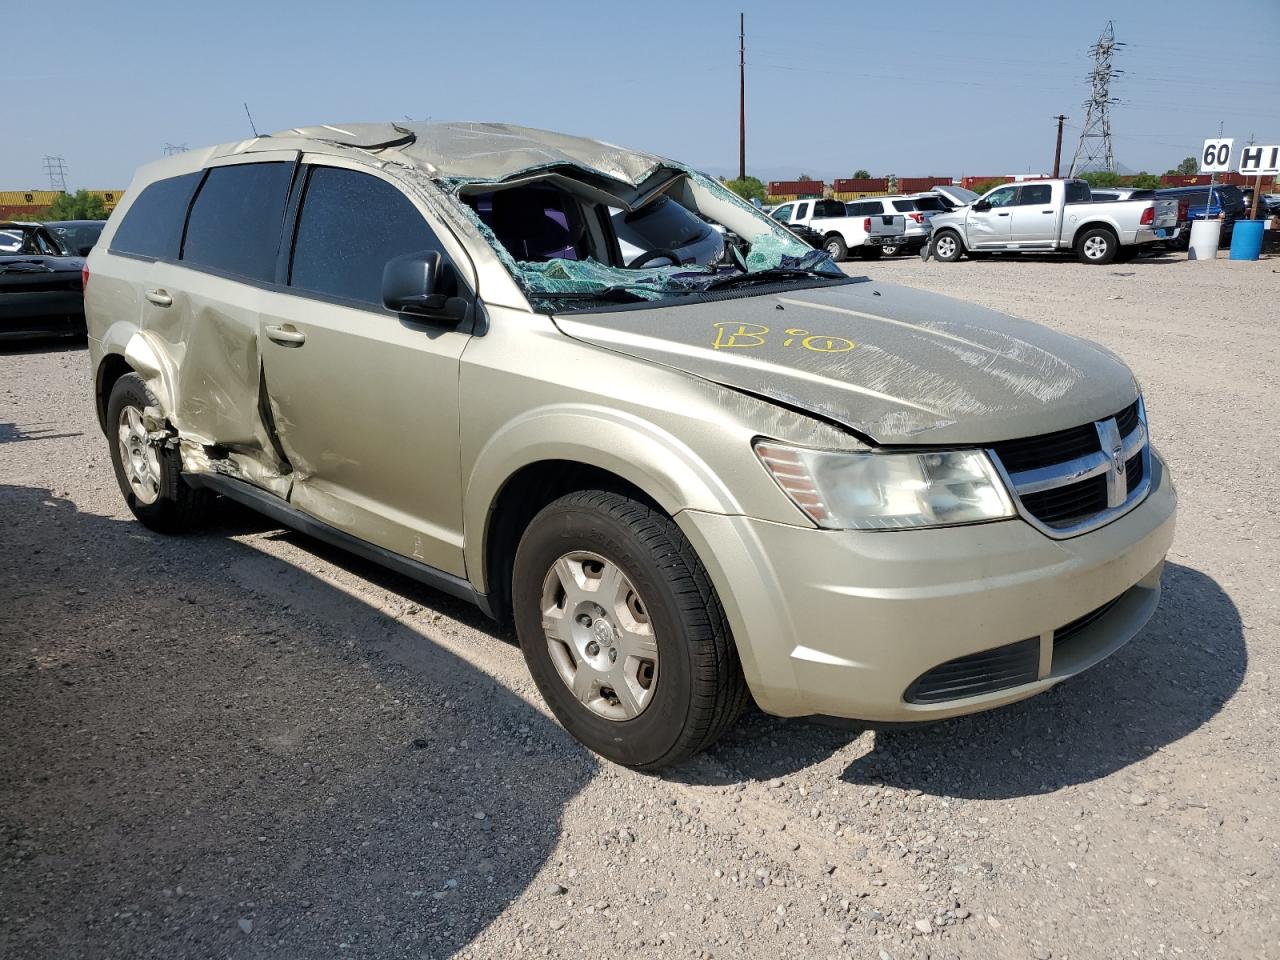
(1072,481)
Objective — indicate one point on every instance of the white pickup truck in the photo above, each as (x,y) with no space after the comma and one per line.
(1045,216)
(841,232)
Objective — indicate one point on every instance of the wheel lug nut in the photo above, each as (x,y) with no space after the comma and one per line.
(584,620)
(593,648)
(613,655)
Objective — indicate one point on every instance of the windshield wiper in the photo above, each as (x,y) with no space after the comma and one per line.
(605,294)
(770,276)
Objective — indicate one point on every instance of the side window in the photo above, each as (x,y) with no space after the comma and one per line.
(235,222)
(1002,197)
(351,224)
(1077,191)
(904,206)
(1036,193)
(783,213)
(152,226)
(828,208)
(802,211)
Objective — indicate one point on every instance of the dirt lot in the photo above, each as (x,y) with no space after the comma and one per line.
(243,744)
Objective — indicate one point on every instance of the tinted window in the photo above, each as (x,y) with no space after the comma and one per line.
(235,222)
(828,208)
(1077,191)
(152,226)
(868,208)
(802,211)
(904,206)
(929,203)
(1105,195)
(350,226)
(1037,193)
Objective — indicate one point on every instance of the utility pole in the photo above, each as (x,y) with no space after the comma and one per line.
(55,168)
(1057,151)
(742,96)
(1094,151)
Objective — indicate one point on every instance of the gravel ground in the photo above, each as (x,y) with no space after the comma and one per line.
(244,744)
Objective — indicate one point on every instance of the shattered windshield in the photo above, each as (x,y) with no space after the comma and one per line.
(572,246)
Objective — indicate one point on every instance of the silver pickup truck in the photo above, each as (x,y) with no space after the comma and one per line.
(1045,216)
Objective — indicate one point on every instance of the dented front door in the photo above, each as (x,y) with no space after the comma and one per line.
(364,403)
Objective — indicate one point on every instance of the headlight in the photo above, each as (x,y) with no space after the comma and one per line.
(888,491)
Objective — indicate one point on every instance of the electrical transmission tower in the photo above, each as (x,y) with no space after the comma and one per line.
(55,168)
(1094,151)
(171,148)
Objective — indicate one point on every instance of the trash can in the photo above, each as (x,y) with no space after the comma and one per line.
(1205,235)
(1246,239)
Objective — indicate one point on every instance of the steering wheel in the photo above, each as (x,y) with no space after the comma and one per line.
(661,253)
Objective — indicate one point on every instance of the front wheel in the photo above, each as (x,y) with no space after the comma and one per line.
(947,247)
(1098,246)
(622,631)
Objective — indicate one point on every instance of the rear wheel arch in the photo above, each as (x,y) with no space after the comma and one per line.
(112,368)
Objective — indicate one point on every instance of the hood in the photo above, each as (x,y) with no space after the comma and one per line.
(893,364)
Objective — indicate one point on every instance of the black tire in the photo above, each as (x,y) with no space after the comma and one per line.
(1097,247)
(835,245)
(868,252)
(178,507)
(700,688)
(889,249)
(948,247)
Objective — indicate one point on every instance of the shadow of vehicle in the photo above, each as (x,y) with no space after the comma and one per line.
(21,433)
(207,751)
(1166,683)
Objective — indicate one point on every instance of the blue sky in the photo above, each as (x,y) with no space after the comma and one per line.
(918,88)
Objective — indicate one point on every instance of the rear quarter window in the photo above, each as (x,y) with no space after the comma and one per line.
(904,206)
(152,226)
(235,222)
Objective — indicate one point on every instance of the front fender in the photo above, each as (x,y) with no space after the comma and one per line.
(644,455)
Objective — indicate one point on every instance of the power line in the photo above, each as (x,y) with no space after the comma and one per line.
(1095,150)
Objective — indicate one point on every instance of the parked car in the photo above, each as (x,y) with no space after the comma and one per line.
(1045,216)
(685,485)
(10,241)
(78,236)
(1223,202)
(842,233)
(40,285)
(917,211)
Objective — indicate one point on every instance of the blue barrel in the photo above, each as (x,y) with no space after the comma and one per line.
(1246,239)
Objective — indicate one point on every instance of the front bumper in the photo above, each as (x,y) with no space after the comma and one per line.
(842,623)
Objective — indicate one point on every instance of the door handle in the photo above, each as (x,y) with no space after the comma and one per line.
(1046,211)
(286,335)
(159,298)
(1003,214)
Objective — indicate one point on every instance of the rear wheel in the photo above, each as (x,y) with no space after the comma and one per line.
(148,471)
(623,632)
(836,247)
(1097,246)
(947,247)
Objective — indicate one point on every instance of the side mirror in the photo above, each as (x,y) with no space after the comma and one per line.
(981,206)
(422,284)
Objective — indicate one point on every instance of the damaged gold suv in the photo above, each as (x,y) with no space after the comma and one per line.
(597,394)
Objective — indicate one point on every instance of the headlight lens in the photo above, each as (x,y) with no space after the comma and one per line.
(888,491)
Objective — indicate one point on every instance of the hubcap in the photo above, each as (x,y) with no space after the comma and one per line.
(833,249)
(599,635)
(946,246)
(1095,247)
(138,456)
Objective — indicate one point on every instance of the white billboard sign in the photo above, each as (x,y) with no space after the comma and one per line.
(1216,156)
(1260,160)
